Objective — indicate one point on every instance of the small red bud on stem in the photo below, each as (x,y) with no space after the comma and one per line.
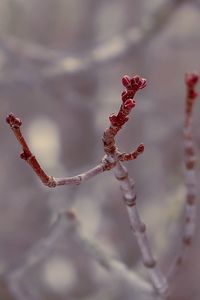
(13,121)
(191,79)
(140,148)
(126,80)
(129,104)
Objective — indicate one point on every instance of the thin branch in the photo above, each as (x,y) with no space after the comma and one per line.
(115,49)
(190,176)
(37,254)
(64,222)
(132,85)
(114,266)
(112,158)
(108,161)
(139,229)
(47,180)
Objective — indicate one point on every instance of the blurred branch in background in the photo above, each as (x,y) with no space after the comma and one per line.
(57,63)
(189,226)
(64,223)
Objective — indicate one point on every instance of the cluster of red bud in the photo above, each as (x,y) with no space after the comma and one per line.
(15,124)
(132,85)
(132,155)
(191,79)
(13,121)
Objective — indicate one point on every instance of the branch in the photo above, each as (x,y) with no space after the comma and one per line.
(68,221)
(114,266)
(47,180)
(139,229)
(128,189)
(190,175)
(108,161)
(113,157)
(35,255)
(117,121)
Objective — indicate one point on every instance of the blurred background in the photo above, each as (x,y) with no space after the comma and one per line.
(61,63)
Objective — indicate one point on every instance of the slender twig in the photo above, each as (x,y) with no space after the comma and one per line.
(139,229)
(112,265)
(132,85)
(116,48)
(64,222)
(108,161)
(128,189)
(190,176)
(48,180)
(113,157)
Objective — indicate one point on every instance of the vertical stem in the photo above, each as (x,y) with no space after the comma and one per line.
(190,176)
(139,229)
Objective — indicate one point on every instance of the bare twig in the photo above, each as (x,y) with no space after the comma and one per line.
(37,253)
(113,157)
(34,256)
(112,265)
(64,222)
(108,161)
(47,180)
(139,229)
(190,175)
(117,121)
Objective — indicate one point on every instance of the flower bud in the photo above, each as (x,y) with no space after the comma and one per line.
(113,119)
(191,79)
(129,104)
(140,148)
(126,80)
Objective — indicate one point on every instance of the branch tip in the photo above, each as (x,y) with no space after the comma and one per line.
(126,81)
(13,121)
(192,78)
(140,148)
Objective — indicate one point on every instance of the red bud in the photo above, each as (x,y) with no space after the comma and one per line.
(140,148)
(129,104)
(113,119)
(126,80)
(191,79)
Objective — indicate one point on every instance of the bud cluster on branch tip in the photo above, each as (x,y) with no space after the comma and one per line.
(132,86)
(138,151)
(191,80)
(13,121)
(140,148)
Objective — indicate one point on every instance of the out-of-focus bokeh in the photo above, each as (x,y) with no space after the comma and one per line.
(61,63)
